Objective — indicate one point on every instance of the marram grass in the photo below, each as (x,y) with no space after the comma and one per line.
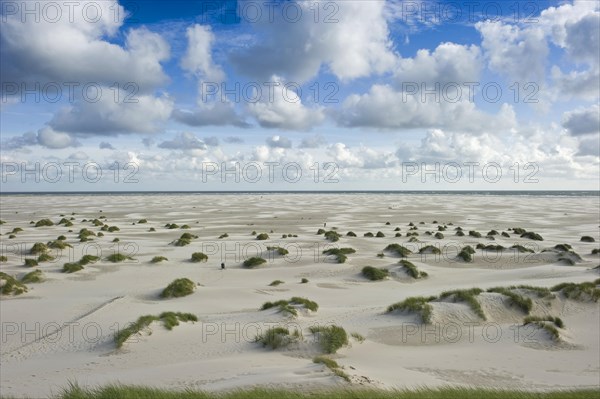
(138,392)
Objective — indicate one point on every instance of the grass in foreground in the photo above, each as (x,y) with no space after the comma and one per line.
(137,392)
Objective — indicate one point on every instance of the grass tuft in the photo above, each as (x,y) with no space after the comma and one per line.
(169,319)
(520,301)
(178,288)
(10,285)
(36,276)
(469,296)
(254,262)
(374,274)
(339,253)
(416,304)
(199,257)
(118,257)
(398,250)
(331,338)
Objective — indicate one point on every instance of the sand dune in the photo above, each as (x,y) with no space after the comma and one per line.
(62,329)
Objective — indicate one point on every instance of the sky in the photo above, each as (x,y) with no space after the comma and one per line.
(294,95)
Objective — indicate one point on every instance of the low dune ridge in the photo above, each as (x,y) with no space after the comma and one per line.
(62,326)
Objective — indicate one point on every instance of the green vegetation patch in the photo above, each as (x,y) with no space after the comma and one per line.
(398,250)
(412,270)
(331,338)
(169,320)
(374,274)
(178,288)
(469,296)
(339,253)
(254,261)
(415,304)
(587,291)
(524,303)
(11,286)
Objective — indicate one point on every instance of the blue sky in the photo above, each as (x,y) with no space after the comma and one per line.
(340,83)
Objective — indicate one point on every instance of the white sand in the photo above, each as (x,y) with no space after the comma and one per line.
(218,353)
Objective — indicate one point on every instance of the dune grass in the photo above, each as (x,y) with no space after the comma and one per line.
(522,249)
(398,250)
(158,259)
(275,283)
(339,253)
(85,259)
(524,303)
(379,234)
(38,248)
(430,249)
(412,270)
(469,296)
(351,234)
(118,257)
(85,234)
(254,262)
(44,222)
(541,323)
(439,235)
(262,236)
(579,292)
(587,239)
(304,281)
(541,292)
(490,247)
(332,365)
(11,286)
(72,267)
(475,234)
(532,236)
(556,320)
(416,304)
(374,274)
(287,306)
(199,257)
(169,320)
(466,253)
(332,235)
(280,251)
(185,239)
(178,288)
(3,258)
(139,392)
(30,262)
(224,235)
(277,337)
(36,276)
(331,338)
(45,258)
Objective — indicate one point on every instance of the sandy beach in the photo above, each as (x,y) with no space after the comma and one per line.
(62,329)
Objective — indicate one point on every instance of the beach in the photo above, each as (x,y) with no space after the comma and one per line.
(62,329)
